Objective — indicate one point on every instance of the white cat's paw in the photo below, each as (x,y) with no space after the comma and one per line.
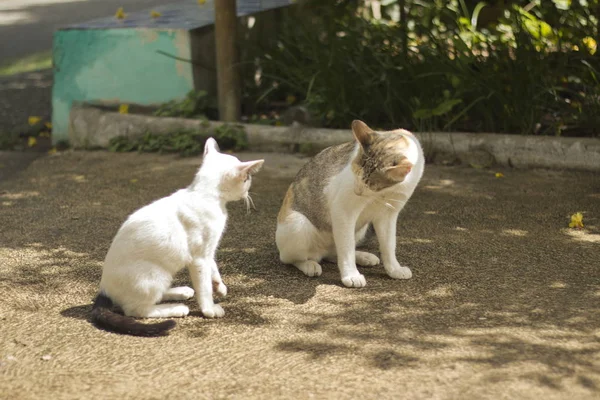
(216,311)
(366,259)
(400,273)
(186,292)
(221,289)
(179,310)
(310,268)
(355,281)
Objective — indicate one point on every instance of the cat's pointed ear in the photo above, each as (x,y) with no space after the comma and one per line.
(398,172)
(250,167)
(362,132)
(210,146)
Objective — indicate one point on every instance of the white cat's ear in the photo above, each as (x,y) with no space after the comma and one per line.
(210,146)
(250,167)
(362,132)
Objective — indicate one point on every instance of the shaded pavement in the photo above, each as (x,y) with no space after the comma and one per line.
(504,300)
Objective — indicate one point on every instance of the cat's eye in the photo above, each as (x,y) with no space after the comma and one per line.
(394,163)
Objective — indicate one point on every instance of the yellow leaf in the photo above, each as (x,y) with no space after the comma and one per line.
(201,2)
(133,180)
(499,175)
(52,150)
(48,125)
(124,109)
(32,141)
(278,123)
(33,120)
(120,14)
(291,99)
(576,221)
(155,14)
(590,43)
(44,134)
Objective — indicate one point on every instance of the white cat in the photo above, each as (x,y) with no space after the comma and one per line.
(158,240)
(339,193)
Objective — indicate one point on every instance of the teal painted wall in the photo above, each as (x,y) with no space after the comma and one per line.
(117,66)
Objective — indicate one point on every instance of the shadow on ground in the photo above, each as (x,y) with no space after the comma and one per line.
(503,302)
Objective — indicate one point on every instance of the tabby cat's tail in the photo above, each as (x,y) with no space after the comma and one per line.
(104,317)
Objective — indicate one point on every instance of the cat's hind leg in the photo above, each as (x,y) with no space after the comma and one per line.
(363,258)
(178,293)
(296,239)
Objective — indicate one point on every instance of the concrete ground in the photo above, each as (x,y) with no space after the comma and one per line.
(504,301)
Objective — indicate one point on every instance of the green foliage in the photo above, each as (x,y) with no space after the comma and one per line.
(9,140)
(185,142)
(195,105)
(512,66)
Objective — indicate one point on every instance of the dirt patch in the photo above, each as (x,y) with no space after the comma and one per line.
(503,302)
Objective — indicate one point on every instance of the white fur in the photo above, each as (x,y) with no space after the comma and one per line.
(181,230)
(351,205)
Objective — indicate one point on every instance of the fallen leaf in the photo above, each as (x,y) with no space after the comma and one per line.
(499,175)
(290,99)
(124,109)
(47,357)
(201,2)
(33,120)
(278,123)
(52,150)
(44,134)
(133,180)
(576,221)
(48,125)
(155,14)
(31,141)
(120,14)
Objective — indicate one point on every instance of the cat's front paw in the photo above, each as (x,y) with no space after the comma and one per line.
(221,289)
(399,273)
(355,281)
(309,267)
(365,259)
(216,311)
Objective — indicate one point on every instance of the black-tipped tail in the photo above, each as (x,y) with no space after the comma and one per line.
(104,317)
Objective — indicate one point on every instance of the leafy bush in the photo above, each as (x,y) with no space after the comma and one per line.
(197,104)
(185,143)
(515,67)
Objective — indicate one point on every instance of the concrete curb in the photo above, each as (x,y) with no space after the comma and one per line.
(91,127)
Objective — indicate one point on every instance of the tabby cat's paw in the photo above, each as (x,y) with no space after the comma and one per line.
(309,267)
(400,273)
(216,311)
(366,259)
(221,289)
(355,281)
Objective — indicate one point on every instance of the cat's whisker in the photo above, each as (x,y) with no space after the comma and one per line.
(386,204)
(249,203)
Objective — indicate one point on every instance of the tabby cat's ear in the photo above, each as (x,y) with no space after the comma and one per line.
(210,146)
(398,171)
(362,132)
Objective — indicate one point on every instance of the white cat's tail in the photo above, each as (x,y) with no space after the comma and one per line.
(104,317)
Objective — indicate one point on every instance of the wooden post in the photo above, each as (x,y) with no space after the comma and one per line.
(228,79)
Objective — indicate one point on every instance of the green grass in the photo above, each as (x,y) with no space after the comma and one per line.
(33,62)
